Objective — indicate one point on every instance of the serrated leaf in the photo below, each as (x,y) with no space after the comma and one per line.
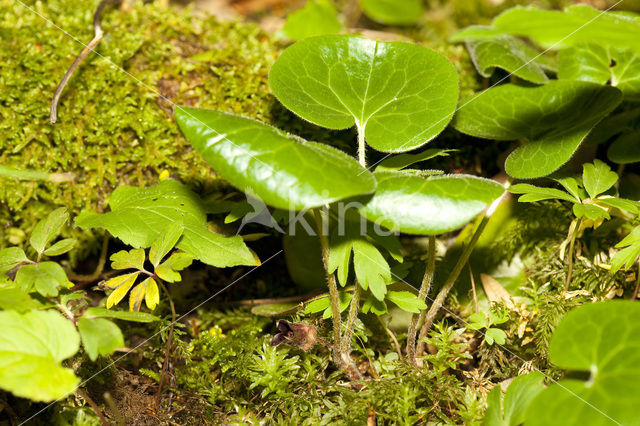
(167,271)
(121,315)
(495,335)
(44,277)
(373,305)
(597,178)
(32,346)
(372,270)
(13,299)
(120,285)
(429,206)
(46,230)
(163,244)
(10,258)
(508,53)
(99,336)
(518,396)
(318,17)
(393,12)
(556,29)
(401,161)
(138,215)
(61,247)
(603,65)
(406,301)
(532,193)
(553,119)
(132,259)
(400,95)
(282,171)
(597,339)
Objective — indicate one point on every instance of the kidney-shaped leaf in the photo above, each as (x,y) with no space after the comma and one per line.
(430,206)
(282,171)
(139,215)
(602,340)
(32,346)
(401,95)
(553,119)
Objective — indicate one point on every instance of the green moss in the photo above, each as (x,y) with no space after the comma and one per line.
(114,127)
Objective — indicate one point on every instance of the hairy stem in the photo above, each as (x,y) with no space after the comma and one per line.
(351,319)
(333,290)
(167,354)
(361,147)
(422,295)
(572,244)
(453,276)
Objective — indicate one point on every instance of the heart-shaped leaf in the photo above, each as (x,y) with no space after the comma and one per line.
(32,346)
(599,339)
(597,178)
(318,17)
(400,95)
(99,336)
(554,119)
(604,65)
(429,206)
(138,216)
(556,29)
(393,12)
(282,171)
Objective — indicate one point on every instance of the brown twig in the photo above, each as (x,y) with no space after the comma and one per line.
(167,354)
(97,37)
(93,406)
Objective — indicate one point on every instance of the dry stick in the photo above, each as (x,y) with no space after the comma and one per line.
(98,34)
(422,295)
(167,354)
(473,289)
(453,276)
(574,234)
(94,406)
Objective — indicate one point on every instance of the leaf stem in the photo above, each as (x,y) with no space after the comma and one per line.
(362,147)
(574,234)
(422,295)
(94,406)
(453,276)
(167,354)
(351,319)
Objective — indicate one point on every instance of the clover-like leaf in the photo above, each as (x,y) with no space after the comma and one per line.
(120,286)
(316,18)
(590,211)
(46,230)
(393,12)
(99,336)
(32,346)
(604,65)
(429,206)
(598,339)
(516,400)
(45,277)
(11,257)
(323,303)
(399,95)
(168,270)
(138,216)
(597,178)
(508,53)
(132,259)
(495,335)
(553,119)
(372,270)
(282,171)
(406,301)
(163,244)
(560,29)
(147,290)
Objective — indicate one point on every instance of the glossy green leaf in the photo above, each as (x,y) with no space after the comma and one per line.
(393,12)
(429,206)
(44,277)
(46,230)
(615,124)
(599,339)
(401,161)
(572,187)
(121,315)
(132,259)
(11,257)
(532,193)
(99,336)
(400,95)
(317,17)
(508,53)
(518,396)
(597,178)
(138,216)
(61,247)
(406,301)
(283,171)
(166,241)
(603,65)
(556,29)
(553,119)
(13,299)
(32,346)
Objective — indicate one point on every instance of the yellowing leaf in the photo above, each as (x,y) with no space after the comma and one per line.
(147,290)
(121,284)
(152,296)
(132,259)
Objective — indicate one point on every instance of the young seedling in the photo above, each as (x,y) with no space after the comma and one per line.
(591,206)
(480,320)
